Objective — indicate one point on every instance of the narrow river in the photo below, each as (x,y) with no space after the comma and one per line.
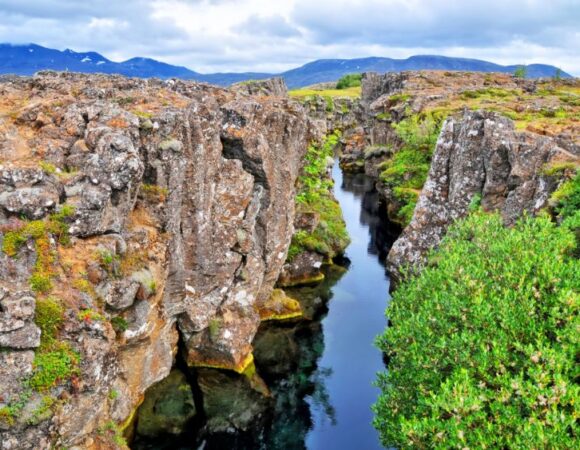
(355,317)
(320,371)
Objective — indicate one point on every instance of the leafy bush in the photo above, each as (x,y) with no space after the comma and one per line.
(347,81)
(483,343)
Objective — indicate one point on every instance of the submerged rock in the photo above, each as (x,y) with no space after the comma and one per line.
(168,407)
(230,401)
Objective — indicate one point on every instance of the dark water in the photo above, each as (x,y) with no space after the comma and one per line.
(355,317)
(320,372)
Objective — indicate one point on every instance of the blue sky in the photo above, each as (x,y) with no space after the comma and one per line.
(275,35)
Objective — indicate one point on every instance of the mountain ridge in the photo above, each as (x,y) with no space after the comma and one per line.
(27,59)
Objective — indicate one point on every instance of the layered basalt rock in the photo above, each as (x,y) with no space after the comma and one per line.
(180,200)
(481,155)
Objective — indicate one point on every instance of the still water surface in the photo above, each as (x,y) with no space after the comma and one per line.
(355,317)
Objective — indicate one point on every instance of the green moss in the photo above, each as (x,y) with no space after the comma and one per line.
(406,171)
(49,316)
(113,432)
(214,328)
(558,169)
(40,283)
(43,411)
(47,167)
(51,367)
(329,103)
(54,360)
(398,98)
(385,116)
(40,231)
(315,196)
(566,199)
(90,315)
(7,416)
(153,193)
(482,348)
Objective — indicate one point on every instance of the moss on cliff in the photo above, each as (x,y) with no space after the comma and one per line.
(330,237)
(406,171)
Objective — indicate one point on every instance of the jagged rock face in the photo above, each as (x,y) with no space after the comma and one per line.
(275,86)
(183,199)
(479,154)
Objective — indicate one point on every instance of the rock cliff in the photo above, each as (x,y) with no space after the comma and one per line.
(132,212)
(481,156)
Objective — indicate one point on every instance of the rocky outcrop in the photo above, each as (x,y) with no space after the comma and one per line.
(271,86)
(480,155)
(160,208)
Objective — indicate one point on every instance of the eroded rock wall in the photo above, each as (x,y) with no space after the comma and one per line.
(480,154)
(180,209)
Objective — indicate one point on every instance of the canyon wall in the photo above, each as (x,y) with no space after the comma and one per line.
(481,159)
(132,212)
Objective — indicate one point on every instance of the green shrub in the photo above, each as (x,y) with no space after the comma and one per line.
(483,343)
(347,81)
(567,197)
(119,324)
(521,72)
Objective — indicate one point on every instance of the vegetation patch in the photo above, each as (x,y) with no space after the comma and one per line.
(40,232)
(153,193)
(349,81)
(482,348)
(54,360)
(406,171)
(329,237)
(309,94)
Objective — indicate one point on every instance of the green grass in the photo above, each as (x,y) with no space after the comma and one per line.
(303,94)
(483,342)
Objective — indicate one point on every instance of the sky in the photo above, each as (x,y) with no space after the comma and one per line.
(276,35)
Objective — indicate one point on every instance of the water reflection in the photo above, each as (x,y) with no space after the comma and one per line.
(319,371)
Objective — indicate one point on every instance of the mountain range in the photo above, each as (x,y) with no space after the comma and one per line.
(30,58)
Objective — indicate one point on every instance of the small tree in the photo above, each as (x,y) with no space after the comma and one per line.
(521,72)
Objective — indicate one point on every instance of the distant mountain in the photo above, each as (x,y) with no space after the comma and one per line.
(28,59)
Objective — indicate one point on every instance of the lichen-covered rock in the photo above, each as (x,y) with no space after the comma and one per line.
(479,154)
(275,86)
(161,205)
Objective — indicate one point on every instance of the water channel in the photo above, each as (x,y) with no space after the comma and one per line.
(320,372)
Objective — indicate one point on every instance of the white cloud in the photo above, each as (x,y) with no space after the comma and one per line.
(266,35)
